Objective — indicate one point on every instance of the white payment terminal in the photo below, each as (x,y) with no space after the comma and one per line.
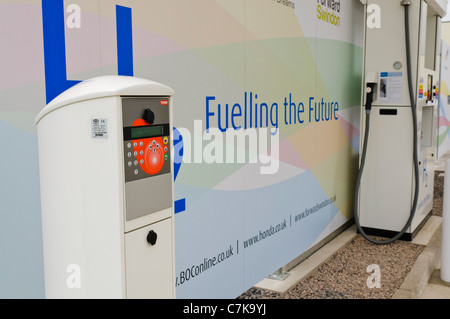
(107,190)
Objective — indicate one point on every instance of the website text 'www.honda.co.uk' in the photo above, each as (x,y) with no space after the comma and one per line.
(263,234)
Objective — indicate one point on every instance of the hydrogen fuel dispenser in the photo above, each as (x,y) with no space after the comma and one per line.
(394,192)
(107,190)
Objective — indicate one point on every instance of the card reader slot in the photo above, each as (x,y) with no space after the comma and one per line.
(389,111)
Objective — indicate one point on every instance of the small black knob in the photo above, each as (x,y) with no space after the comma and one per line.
(151,237)
(149,116)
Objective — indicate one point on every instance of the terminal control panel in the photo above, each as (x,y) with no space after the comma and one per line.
(146,137)
(146,151)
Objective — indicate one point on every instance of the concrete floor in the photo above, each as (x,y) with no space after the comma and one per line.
(436,288)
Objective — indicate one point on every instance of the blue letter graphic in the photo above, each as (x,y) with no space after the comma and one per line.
(55,46)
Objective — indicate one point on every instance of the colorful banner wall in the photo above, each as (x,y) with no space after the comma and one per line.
(266,111)
(443,133)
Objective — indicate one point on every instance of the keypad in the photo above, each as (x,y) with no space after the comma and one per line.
(147,157)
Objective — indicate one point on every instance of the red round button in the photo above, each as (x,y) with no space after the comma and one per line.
(153,157)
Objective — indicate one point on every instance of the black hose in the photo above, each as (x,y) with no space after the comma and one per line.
(405,4)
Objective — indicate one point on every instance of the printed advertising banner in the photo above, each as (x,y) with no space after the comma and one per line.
(266,117)
(443,133)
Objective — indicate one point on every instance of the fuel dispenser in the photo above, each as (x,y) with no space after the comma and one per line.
(394,191)
(107,190)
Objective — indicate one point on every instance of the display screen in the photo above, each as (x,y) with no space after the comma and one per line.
(146,131)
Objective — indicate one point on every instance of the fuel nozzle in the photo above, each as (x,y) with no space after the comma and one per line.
(405,3)
(370,89)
